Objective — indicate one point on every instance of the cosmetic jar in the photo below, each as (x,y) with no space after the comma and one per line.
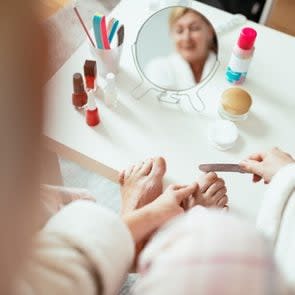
(234,104)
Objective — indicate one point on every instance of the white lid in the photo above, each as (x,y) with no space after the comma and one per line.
(110,76)
(223,134)
(110,79)
(91,105)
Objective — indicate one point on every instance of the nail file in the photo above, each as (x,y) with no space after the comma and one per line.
(221,167)
(113,30)
(97,33)
(104,33)
(110,24)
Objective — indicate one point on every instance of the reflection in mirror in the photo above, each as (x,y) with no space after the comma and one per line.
(176,48)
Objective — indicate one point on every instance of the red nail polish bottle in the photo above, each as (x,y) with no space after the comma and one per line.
(90,73)
(92,117)
(79,97)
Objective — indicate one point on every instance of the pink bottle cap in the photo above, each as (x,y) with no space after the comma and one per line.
(247,38)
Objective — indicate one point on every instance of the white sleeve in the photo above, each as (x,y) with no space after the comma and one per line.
(81,247)
(276,199)
(277,220)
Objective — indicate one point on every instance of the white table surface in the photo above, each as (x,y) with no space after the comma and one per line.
(139,129)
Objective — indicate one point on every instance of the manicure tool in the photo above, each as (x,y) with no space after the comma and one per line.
(113,30)
(222,167)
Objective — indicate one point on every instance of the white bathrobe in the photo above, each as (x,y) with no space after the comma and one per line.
(173,72)
(276,219)
(83,249)
(87,249)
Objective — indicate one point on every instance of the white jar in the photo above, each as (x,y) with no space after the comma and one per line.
(223,134)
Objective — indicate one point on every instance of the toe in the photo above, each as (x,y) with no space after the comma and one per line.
(146,167)
(219,194)
(159,166)
(137,167)
(226,207)
(121,177)
(206,180)
(128,172)
(222,202)
(214,188)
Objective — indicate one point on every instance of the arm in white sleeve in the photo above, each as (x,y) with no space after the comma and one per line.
(276,199)
(83,249)
(277,219)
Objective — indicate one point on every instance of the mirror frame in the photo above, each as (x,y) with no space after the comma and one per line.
(141,72)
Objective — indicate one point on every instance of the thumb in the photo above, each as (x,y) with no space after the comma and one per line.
(185,192)
(252,166)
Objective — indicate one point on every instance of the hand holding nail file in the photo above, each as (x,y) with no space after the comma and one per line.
(222,167)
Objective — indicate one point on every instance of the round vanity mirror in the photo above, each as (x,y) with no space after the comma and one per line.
(176,48)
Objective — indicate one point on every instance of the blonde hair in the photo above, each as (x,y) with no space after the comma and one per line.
(178,12)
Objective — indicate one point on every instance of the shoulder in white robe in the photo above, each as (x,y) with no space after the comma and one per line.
(173,72)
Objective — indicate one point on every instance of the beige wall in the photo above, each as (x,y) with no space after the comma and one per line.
(49,7)
(282,16)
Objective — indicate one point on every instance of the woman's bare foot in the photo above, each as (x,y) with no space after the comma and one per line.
(141,183)
(211,192)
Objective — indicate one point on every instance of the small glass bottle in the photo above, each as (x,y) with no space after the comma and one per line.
(110,91)
(90,73)
(241,57)
(79,96)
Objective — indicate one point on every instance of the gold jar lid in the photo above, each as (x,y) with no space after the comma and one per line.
(236,101)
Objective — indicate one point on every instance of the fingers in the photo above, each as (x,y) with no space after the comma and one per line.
(183,192)
(175,187)
(252,166)
(257,157)
(252,163)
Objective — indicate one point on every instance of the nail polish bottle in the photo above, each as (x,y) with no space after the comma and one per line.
(90,73)
(241,57)
(110,91)
(92,117)
(79,97)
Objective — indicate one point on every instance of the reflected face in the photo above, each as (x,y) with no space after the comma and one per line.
(192,37)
